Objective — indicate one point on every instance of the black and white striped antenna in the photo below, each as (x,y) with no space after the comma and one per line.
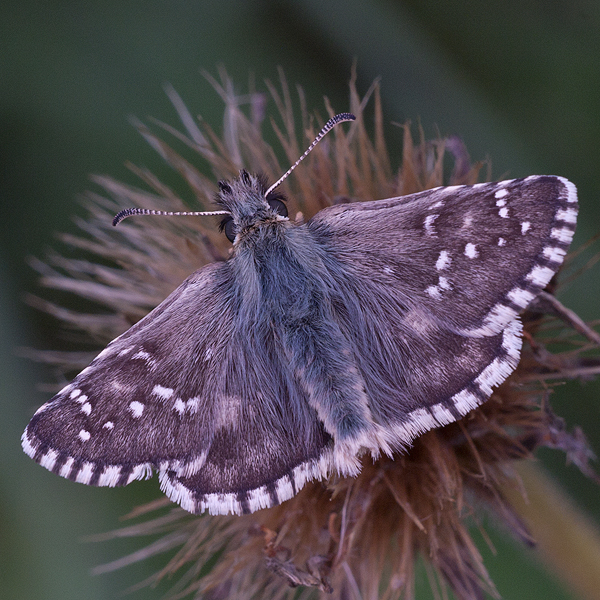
(129,212)
(326,129)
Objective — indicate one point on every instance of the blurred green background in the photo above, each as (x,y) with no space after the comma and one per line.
(519,81)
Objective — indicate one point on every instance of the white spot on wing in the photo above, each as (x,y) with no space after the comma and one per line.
(49,459)
(84,435)
(503,212)
(136,408)
(86,408)
(110,476)
(429,219)
(568,215)
(193,404)
(162,392)
(143,471)
(525,227)
(564,235)
(501,242)
(494,321)
(108,425)
(142,355)
(434,291)
(444,283)
(571,189)
(520,297)
(554,254)
(443,261)
(441,414)
(465,401)
(85,473)
(501,193)
(74,394)
(471,251)
(500,203)
(540,275)
(65,470)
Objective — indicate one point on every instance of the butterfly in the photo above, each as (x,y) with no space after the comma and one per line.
(314,343)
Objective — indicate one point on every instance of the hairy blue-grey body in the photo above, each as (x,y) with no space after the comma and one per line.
(287,282)
(356,331)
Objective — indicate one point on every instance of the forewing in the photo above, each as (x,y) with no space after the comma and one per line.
(183,393)
(471,257)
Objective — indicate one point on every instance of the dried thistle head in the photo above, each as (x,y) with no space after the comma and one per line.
(348,537)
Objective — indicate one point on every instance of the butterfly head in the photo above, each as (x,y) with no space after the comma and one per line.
(249,205)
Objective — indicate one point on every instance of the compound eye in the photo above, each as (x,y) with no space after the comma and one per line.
(228,226)
(278,206)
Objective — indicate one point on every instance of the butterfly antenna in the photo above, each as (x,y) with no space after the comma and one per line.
(326,129)
(129,212)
